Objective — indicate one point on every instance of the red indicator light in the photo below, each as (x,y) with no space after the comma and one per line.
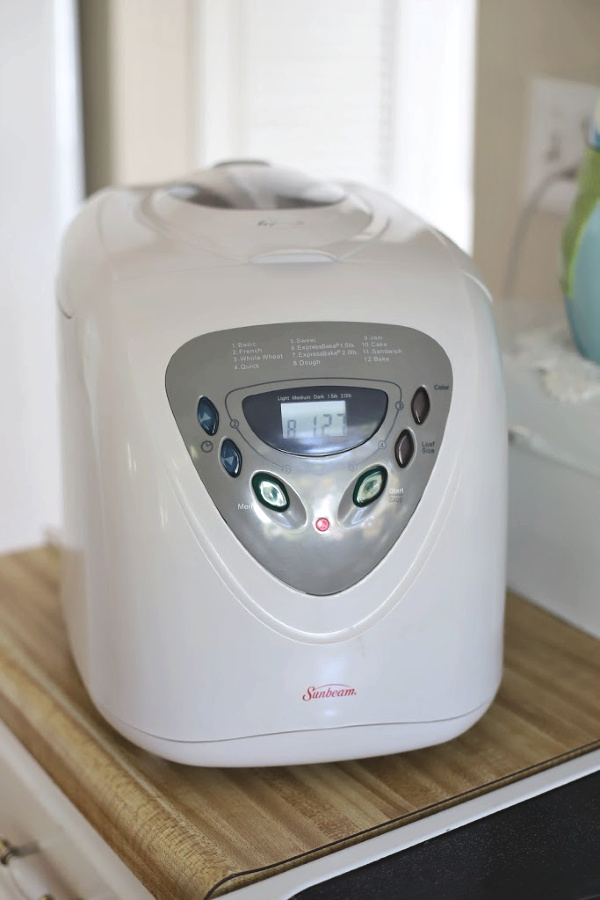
(322,524)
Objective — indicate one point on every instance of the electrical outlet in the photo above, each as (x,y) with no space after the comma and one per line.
(559,117)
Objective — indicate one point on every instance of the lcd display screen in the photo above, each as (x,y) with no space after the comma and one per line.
(313,419)
(318,420)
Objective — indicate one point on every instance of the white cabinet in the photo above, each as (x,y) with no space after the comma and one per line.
(70,861)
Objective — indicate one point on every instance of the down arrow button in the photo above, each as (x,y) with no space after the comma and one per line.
(231,458)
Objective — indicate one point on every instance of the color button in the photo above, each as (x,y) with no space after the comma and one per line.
(270,491)
(420,405)
(208,415)
(231,458)
(370,486)
(405,448)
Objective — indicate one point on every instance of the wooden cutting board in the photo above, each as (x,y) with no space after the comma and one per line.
(198,833)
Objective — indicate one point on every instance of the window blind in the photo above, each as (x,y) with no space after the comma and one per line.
(378,91)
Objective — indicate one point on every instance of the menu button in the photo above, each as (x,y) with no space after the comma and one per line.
(270,491)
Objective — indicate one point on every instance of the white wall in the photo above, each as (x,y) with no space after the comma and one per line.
(519,40)
(39,184)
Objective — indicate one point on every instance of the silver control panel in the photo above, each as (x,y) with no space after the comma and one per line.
(315,440)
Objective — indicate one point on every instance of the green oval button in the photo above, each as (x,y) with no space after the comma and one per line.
(370,486)
(270,491)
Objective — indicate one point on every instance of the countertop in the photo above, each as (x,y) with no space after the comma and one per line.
(198,833)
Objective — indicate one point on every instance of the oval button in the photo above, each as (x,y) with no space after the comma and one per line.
(370,486)
(420,405)
(405,448)
(208,415)
(270,491)
(231,458)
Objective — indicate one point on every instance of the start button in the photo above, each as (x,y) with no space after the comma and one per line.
(370,486)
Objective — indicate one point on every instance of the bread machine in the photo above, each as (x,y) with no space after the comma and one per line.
(284,467)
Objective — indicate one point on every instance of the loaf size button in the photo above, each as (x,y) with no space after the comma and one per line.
(369,486)
(208,416)
(270,491)
(405,448)
(231,458)
(420,405)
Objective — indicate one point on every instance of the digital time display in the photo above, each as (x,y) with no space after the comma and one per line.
(314,420)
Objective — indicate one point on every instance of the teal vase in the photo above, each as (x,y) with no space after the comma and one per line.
(581,252)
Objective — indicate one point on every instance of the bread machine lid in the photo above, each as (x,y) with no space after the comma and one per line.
(256,185)
(243,210)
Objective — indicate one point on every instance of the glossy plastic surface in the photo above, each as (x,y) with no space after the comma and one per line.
(178,631)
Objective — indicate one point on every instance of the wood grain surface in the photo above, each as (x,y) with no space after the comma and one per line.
(198,833)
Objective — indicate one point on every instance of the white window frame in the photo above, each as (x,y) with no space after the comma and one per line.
(42,183)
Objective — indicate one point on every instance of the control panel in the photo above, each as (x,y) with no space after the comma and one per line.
(314,440)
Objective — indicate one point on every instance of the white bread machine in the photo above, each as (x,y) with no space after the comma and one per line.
(285,470)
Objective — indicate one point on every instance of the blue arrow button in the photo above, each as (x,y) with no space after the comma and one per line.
(208,416)
(231,458)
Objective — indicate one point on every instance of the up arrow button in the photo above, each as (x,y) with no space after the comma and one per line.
(208,417)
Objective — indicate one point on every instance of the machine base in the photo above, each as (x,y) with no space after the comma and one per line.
(300,747)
